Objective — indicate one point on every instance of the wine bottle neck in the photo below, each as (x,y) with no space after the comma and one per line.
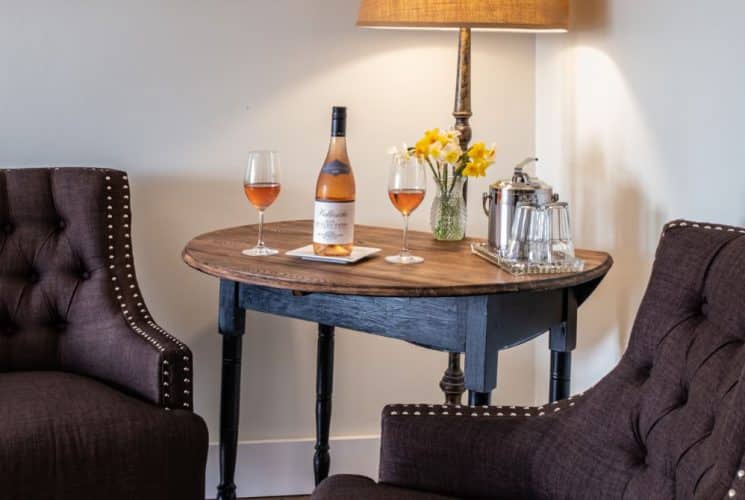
(339,126)
(338,143)
(338,150)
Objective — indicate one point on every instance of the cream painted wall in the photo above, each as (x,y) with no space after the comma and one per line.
(639,121)
(177,92)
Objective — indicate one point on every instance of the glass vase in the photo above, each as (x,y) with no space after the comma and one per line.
(448,215)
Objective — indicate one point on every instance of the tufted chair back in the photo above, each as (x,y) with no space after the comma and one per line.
(67,275)
(685,407)
(669,421)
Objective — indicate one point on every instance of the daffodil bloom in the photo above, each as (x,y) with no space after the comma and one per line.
(441,151)
(435,151)
(491,154)
(422,148)
(476,168)
(451,153)
(453,135)
(401,152)
(477,151)
(432,136)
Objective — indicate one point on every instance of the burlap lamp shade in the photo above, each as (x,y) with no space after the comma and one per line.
(491,14)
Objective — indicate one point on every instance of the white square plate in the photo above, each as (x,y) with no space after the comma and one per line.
(358,253)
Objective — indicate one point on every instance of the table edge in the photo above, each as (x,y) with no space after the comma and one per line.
(558,282)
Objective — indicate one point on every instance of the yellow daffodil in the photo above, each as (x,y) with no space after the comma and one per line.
(477,151)
(441,150)
(435,151)
(432,136)
(421,149)
(451,153)
(470,170)
(476,168)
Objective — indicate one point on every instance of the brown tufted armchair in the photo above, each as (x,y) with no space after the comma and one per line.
(667,423)
(95,397)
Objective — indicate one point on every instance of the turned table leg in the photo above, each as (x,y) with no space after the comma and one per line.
(232,326)
(453,382)
(324,389)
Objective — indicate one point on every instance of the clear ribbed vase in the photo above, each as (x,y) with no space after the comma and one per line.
(448,215)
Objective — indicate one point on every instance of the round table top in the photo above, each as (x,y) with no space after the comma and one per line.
(449,268)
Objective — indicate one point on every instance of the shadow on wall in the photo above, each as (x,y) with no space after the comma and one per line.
(612,208)
(616,210)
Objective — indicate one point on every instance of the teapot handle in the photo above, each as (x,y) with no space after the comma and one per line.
(484,198)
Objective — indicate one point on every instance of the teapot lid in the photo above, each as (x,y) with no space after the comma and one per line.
(521,180)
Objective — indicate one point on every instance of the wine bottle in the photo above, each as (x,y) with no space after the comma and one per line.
(333,222)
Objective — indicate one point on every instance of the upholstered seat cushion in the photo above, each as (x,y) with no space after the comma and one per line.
(55,426)
(362,488)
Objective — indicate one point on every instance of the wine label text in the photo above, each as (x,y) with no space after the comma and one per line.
(333,223)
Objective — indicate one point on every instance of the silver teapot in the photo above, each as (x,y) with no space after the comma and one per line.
(503,197)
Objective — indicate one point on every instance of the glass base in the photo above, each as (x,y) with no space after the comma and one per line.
(404,259)
(260,252)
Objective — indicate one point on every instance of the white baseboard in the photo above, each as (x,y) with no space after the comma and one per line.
(285,466)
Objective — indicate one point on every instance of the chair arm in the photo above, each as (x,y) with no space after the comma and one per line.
(135,355)
(461,451)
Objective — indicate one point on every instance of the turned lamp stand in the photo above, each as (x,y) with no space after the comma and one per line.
(453,380)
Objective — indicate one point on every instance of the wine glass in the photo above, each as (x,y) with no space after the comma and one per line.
(407,186)
(261,185)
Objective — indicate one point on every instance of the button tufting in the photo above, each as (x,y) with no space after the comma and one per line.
(33,277)
(61,224)
(85,275)
(8,228)
(683,399)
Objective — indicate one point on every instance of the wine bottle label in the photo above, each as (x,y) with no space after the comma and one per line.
(333,223)
(335,168)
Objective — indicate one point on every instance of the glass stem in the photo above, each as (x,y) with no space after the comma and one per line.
(260,244)
(405,247)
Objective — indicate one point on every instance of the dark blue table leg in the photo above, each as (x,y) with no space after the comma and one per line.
(482,350)
(232,326)
(562,341)
(561,375)
(479,398)
(324,390)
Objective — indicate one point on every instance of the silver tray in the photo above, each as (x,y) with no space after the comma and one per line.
(522,267)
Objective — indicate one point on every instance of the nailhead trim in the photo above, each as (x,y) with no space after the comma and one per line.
(738,478)
(141,330)
(483,411)
(699,226)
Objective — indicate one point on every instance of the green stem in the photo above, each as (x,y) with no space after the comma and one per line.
(434,172)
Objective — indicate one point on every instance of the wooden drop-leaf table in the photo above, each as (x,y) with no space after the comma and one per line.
(453,302)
